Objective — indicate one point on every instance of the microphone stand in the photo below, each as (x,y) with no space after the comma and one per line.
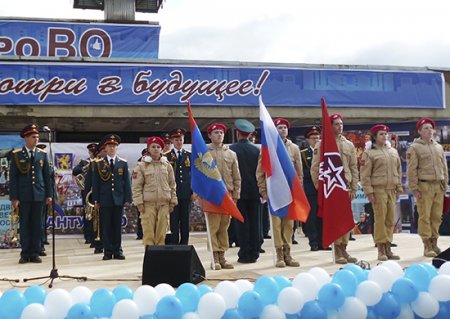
(54,271)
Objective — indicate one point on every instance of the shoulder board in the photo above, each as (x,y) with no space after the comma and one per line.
(304,150)
(41,150)
(17,150)
(168,152)
(122,159)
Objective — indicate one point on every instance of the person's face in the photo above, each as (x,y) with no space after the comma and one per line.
(178,142)
(167,145)
(91,154)
(338,126)
(381,137)
(111,149)
(154,150)
(283,131)
(216,137)
(313,139)
(31,140)
(426,131)
(363,217)
(394,143)
(102,153)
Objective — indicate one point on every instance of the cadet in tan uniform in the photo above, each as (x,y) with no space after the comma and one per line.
(154,192)
(349,162)
(282,227)
(227,163)
(428,178)
(381,177)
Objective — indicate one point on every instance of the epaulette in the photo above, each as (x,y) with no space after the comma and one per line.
(17,150)
(165,153)
(122,159)
(304,150)
(41,150)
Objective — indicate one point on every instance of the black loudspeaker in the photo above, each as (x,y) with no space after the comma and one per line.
(172,264)
(441,258)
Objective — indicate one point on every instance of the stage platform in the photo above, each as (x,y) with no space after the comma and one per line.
(75,258)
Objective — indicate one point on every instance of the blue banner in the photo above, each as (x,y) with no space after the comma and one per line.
(67,39)
(160,84)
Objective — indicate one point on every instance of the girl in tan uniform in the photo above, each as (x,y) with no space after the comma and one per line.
(381,181)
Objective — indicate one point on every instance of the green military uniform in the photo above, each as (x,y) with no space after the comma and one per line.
(30,185)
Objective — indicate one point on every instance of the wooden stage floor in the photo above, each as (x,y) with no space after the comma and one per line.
(75,258)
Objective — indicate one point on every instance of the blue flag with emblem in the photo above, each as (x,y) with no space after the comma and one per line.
(206,179)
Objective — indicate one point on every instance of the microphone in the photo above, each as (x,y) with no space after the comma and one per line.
(46,129)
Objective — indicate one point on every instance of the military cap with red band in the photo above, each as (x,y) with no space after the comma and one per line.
(155,139)
(166,137)
(178,132)
(424,121)
(216,126)
(282,121)
(335,116)
(379,127)
(29,129)
(313,130)
(111,139)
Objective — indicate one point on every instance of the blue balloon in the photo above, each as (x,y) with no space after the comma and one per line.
(122,292)
(282,282)
(250,304)
(12,304)
(388,307)
(347,280)
(331,296)
(204,289)
(405,290)
(313,310)
(147,317)
(371,314)
(102,303)
(360,273)
(293,316)
(444,311)
(169,307)
(267,288)
(189,296)
(232,314)
(35,294)
(80,311)
(432,271)
(419,274)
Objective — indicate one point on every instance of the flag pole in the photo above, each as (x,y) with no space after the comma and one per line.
(333,254)
(213,264)
(274,250)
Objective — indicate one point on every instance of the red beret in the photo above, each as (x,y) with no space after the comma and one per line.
(379,127)
(394,136)
(216,126)
(155,139)
(335,116)
(281,121)
(423,121)
(29,129)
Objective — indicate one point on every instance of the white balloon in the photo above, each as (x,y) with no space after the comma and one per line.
(395,268)
(369,292)
(35,311)
(146,298)
(230,293)
(440,287)
(333,314)
(81,294)
(445,268)
(290,300)
(58,303)
(353,308)
(211,306)
(426,306)
(243,285)
(321,276)
(406,312)
(272,312)
(125,308)
(190,315)
(307,284)
(164,290)
(382,276)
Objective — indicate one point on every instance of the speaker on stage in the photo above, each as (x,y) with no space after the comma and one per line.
(440,259)
(172,264)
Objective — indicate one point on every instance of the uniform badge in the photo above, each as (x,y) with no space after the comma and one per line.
(134,176)
(120,171)
(362,162)
(315,152)
(408,156)
(22,161)
(41,162)
(187,162)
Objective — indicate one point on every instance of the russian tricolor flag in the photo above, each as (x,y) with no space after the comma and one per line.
(285,193)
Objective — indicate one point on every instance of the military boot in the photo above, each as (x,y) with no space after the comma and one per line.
(349,258)
(338,256)
(390,255)
(280,258)
(289,261)
(216,261)
(428,248)
(434,246)
(382,252)
(223,262)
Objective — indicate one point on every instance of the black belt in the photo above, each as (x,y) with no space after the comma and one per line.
(424,181)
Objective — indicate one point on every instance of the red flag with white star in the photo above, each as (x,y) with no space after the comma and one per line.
(333,193)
